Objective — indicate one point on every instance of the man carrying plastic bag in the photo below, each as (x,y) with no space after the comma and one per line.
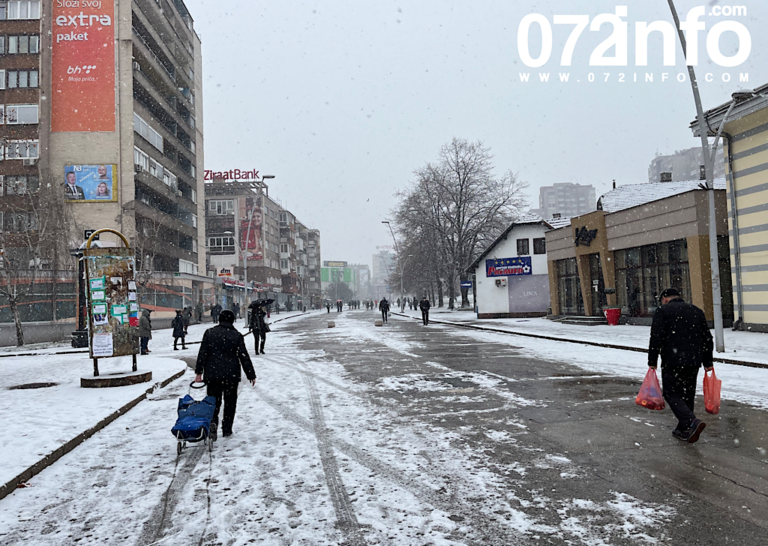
(681,336)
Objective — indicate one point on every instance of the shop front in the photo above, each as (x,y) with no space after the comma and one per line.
(624,255)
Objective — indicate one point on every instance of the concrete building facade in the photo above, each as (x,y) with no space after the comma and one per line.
(565,199)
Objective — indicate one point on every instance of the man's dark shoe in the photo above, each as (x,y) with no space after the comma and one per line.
(227,433)
(214,436)
(695,431)
(681,434)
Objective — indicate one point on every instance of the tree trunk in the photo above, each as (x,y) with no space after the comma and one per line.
(17,320)
(464,291)
(439,293)
(451,293)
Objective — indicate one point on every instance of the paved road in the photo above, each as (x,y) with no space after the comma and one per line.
(409,435)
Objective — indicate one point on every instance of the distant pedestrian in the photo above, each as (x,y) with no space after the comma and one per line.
(187,314)
(199,312)
(145,331)
(221,357)
(258,325)
(424,305)
(384,308)
(215,312)
(328,306)
(680,334)
(236,310)
(178,330)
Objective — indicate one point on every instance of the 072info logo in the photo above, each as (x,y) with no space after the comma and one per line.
(613,51)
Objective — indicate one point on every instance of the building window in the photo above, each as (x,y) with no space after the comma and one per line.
(22,78)
(643,272)
(20,222)
(21,44)
(22,149)
(20,185)
(569,287)
(193,196)
(143,128)
(283,264)
(540,246)
(522,247)
(221,207)
(155,169)
(2,79)
(140,159)
(22,9)
(17,114)
(187,267)
(221,244)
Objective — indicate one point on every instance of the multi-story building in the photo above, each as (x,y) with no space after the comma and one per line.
(682,165)
(118,129)
(314,284)
(566,199)
(383,266)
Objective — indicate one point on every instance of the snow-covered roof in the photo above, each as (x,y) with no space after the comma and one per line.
(633,195)
(525,219)
(557,223)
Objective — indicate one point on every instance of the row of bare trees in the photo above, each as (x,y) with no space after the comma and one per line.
(455,207)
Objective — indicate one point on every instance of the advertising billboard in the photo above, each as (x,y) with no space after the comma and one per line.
(90,183)
(528,294)
(251,230)
(83,66)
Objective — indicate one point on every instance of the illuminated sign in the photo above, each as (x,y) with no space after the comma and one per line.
(232,174)
(335,264)
(83,66)
(505,267)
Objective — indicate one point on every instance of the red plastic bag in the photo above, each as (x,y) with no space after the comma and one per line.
(650,392)
(712,392)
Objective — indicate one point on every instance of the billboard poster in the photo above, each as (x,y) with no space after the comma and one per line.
(505,267)
(251,228)
(528,294)
(90,183)
(83,66)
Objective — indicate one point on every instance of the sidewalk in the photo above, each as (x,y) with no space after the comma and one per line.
(745,348)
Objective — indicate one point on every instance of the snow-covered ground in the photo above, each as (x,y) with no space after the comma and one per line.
(740,383)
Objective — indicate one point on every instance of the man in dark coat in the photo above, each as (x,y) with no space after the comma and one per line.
(258,325)
(215,312)
(681,336)
(222,355)
(424,306)
(145,331)
(384,308)
(178,330)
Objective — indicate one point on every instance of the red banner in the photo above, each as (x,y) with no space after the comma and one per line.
(83,72)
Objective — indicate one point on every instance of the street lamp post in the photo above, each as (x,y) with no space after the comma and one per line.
(244,254)
(709,164)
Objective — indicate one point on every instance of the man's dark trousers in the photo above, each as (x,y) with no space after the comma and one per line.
(425,316)
(383,315)
(226,390)
(679,385)
(256,335)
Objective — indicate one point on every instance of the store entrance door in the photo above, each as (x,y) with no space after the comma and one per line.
(599,299)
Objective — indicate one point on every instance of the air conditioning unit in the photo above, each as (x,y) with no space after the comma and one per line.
(136,66)
(30,162)
(502,282)
(178,193)
(137,168)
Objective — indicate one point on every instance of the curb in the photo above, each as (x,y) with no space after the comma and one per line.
(581,342)
(10,486)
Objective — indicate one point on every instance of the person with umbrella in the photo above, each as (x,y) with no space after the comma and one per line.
(258,325)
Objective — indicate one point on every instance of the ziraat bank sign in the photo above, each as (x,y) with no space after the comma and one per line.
(83,66)
(232,174)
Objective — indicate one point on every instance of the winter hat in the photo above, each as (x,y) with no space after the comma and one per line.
(227,316)
(668,293)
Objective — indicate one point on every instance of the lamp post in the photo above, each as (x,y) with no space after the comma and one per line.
(244,254)
(709,164)
(399,260)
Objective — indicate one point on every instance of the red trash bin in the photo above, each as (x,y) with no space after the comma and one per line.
(612,315)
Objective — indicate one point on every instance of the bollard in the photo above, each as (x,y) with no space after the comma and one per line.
(379,322)
(331,324)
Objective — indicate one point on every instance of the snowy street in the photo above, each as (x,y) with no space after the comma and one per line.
(405,434)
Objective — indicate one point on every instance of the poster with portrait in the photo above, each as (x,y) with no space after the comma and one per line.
(90,183)
(251,230)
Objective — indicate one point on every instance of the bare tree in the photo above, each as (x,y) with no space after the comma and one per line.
(460,207)
(35,238)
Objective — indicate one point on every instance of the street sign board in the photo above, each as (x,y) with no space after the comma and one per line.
(466,284)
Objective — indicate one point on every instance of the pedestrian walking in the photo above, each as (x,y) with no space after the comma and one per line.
(145,331)
(178,330)
(328,306)
(424,305)
(199,312)
(258,325)
(215,312)
(384,308)
(236,310)
(187,314)
(221,357)
(680,334)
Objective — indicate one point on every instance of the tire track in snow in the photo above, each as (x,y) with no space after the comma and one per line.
(345,514)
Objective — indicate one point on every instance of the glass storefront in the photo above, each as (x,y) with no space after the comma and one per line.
(569,288)
(643,272)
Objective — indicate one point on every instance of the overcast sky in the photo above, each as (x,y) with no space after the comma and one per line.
(341,100)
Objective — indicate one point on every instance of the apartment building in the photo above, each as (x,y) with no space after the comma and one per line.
(116,130)
(566,199)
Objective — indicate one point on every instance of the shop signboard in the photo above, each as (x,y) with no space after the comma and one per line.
(83,67)
(508,267)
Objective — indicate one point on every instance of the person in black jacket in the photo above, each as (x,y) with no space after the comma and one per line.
(681,336)
(424,306)
(258,325)
(215,312)
(178,330)
(384,308)
(222,354)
